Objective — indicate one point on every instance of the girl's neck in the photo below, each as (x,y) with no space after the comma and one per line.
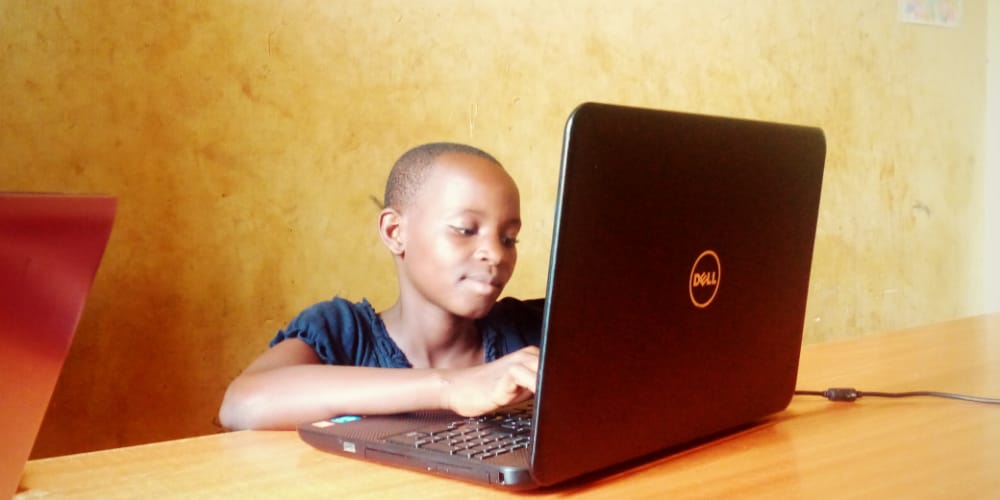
(433,338)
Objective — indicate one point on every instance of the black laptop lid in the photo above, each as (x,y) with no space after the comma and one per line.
(678,281)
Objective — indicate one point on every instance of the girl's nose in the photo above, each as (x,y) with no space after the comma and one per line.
(490,250)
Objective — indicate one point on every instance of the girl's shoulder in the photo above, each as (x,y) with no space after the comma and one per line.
(511,325)
(343,332)
(512,309)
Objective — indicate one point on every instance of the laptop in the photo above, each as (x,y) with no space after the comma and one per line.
(674,310)
(50,248)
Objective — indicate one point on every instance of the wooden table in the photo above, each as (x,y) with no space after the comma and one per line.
(873,448)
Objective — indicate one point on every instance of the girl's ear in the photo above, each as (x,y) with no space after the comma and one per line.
(390,229)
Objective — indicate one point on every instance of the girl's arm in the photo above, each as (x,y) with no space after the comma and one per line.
(287,385)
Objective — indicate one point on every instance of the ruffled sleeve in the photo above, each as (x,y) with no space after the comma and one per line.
(344,333)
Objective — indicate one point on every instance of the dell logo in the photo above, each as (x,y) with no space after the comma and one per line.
(704,279)
(703,283)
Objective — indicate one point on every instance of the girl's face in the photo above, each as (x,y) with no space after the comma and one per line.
(460,234)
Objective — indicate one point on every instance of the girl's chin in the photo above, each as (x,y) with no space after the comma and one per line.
(478,308)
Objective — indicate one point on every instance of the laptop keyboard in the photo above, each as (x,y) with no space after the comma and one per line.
(477,437)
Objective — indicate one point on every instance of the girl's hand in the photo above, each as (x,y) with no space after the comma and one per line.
(481,389)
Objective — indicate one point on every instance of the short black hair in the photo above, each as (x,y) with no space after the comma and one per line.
(410,170)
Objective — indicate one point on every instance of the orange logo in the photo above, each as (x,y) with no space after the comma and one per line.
(706,273)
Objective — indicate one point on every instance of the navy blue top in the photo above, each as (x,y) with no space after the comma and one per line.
(346,333)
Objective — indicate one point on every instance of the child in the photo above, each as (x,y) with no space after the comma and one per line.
(451,219)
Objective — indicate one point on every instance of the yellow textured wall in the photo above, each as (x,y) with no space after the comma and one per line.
(245,139)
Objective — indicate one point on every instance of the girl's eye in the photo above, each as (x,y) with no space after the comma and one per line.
(508,241)
(464,231)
